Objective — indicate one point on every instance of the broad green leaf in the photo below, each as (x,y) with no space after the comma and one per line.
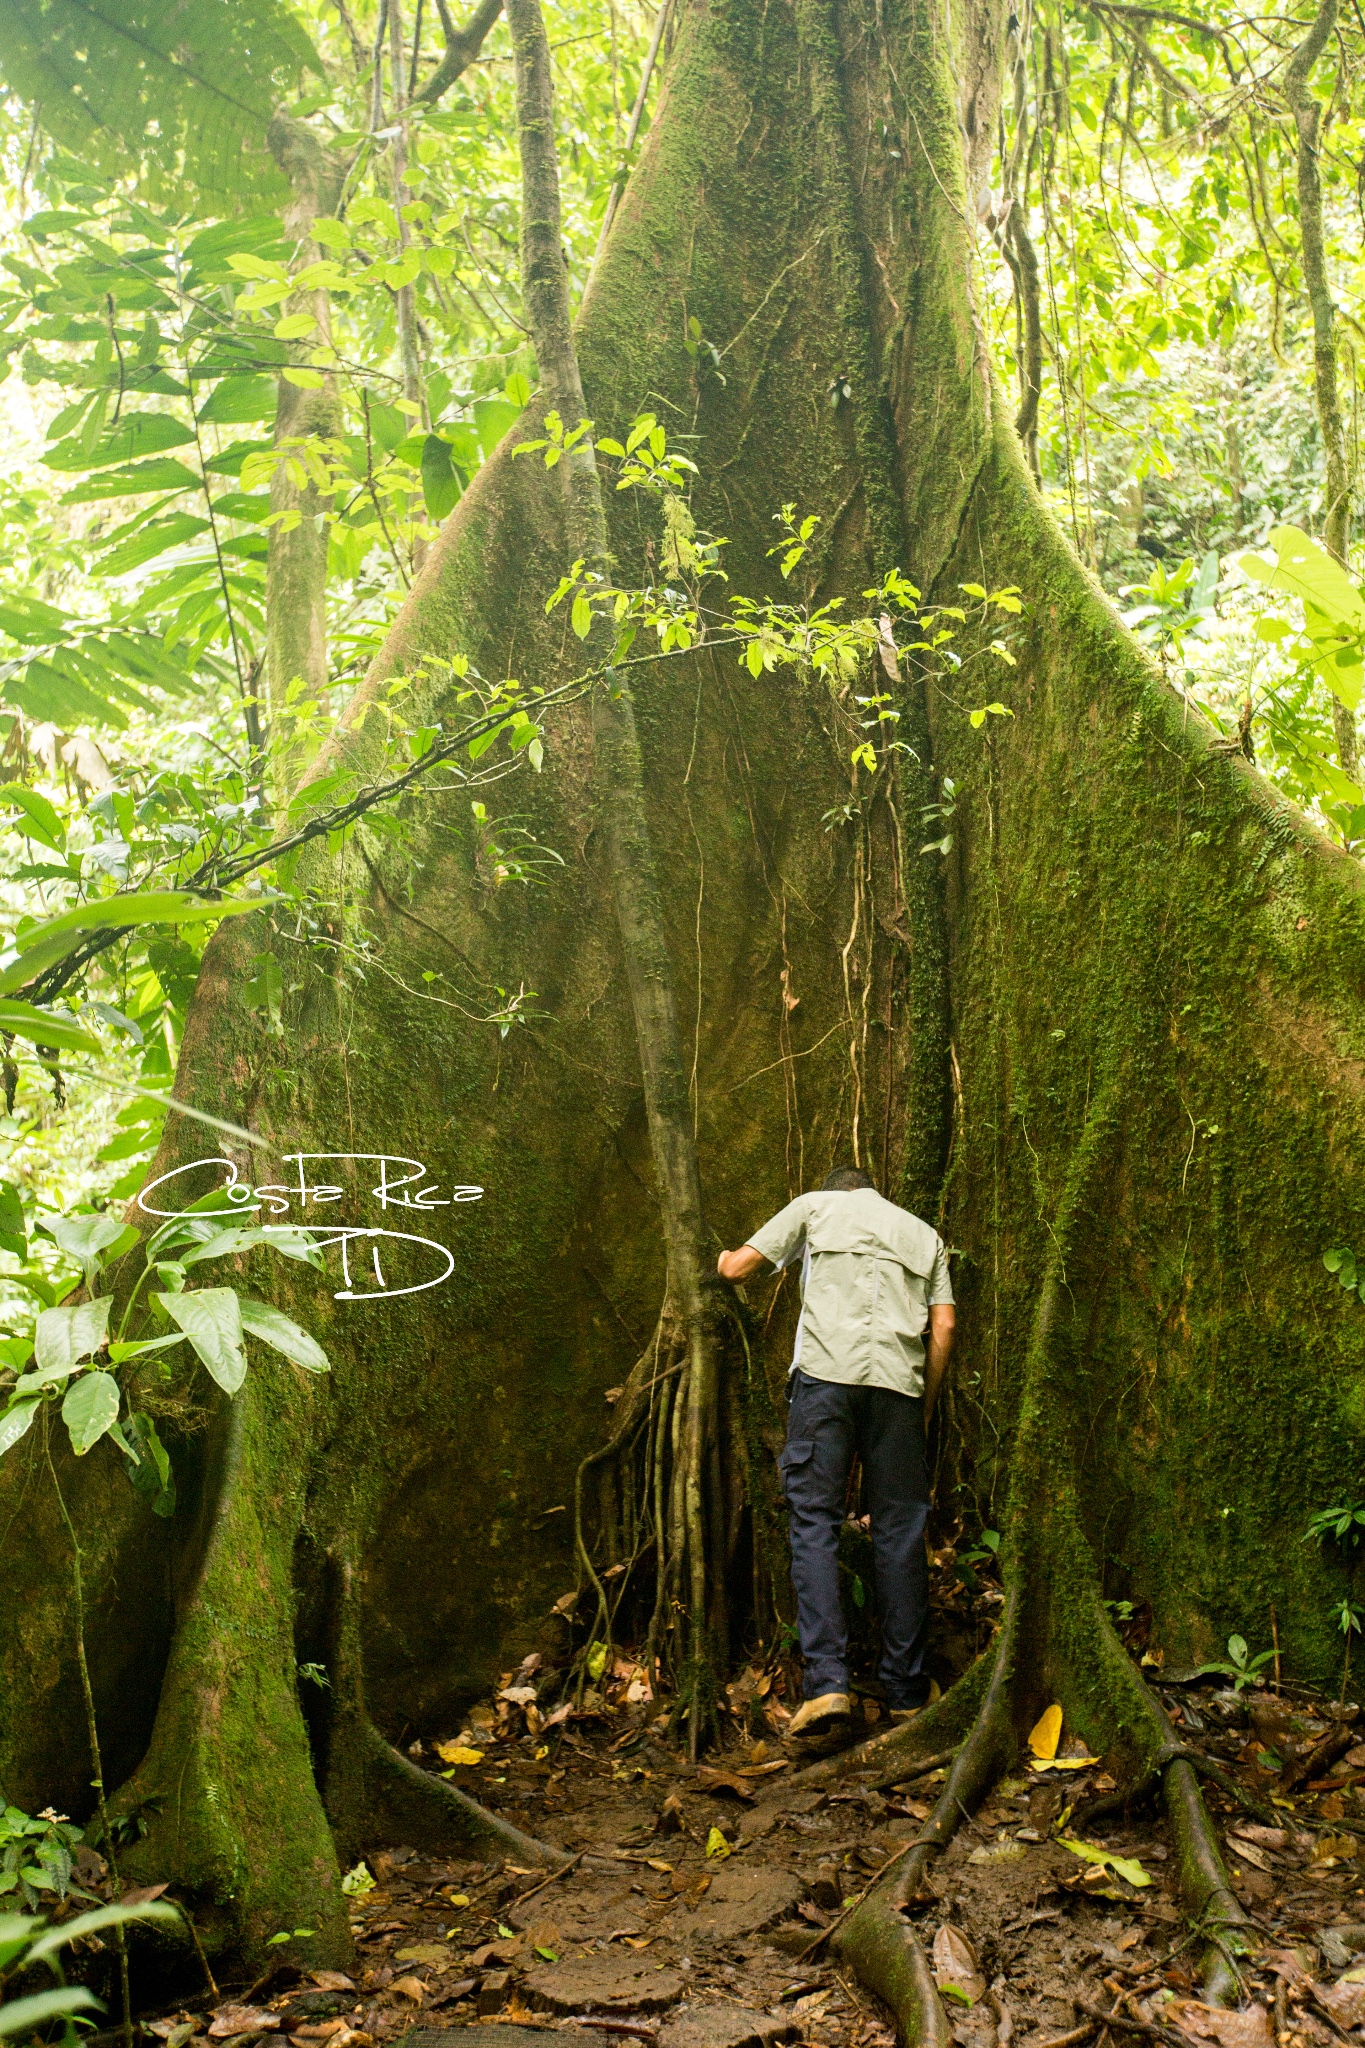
(86,1237)
(44,944)
(24,2015)
(212,1321)
(161,473)
(270,1324)
(15,1423)
(40,817)
(492,418)
(240,401)
(137,433)
(155,538)
(44,1027)
(68,1334)
(96,1921)
(440,483)
(1308,572)
(44,691)
(90,1407)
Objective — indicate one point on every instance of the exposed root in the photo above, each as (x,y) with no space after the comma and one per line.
(405,1804)
(1204,1886)
(674,1483)
(372,1792)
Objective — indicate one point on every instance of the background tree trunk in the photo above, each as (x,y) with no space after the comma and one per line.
(1156,973)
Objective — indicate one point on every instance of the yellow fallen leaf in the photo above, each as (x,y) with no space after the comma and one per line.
(716,1844)
(1126,1867)
(456,1753)
(1064,1763)
(657,1863)
(458,1899)
(1046,1732)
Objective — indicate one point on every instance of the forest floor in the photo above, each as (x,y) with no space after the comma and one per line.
(697,1889)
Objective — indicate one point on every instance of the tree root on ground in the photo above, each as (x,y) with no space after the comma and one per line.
(372,1791)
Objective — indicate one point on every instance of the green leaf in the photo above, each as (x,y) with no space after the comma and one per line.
(90,1408)
(492,418)
(211,1319)
(155,538)
(1126,1867)
(44,944)
(441,485)
(179,92)
(24,2015)
(41,817)
(137,433)
(87,1238)
(14,1423)
(273,1327)
(68,1334)
(162,473)
(240,401)
(47,1028)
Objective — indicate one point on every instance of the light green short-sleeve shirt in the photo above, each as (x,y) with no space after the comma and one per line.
(870,1273)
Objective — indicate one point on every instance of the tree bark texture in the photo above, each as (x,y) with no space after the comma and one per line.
(1154,981)
(1336,520)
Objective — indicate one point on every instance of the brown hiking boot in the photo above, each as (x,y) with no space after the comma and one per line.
(901,1715)
(814,1716)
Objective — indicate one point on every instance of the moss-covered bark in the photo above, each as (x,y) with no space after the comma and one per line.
(1155,975)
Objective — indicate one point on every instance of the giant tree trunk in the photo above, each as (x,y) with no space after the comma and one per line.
(1155,972)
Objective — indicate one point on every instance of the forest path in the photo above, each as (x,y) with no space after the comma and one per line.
(648,1936)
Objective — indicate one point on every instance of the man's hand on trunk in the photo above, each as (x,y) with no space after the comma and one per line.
(739,1265)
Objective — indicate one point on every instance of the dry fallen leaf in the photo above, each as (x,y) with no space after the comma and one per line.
(955,1964)
(1249,1853)
(242,2019)
(1345,2002)
(1333,1846)
(141,1895)
(708,1780)
(1248,2029)
(335,1980)
(409,1987)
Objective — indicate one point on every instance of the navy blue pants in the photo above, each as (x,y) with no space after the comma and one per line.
(826,1424)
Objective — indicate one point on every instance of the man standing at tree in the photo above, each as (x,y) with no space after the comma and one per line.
(873,1279)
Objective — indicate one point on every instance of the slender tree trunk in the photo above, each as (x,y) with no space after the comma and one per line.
(296,558)
(1336,525)
(405,298)
(620,780)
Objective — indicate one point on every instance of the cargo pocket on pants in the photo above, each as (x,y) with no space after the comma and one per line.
(792,1457)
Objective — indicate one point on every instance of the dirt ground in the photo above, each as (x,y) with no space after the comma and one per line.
(696,1890)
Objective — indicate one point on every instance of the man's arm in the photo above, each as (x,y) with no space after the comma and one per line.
(739,1265)
(942,1323)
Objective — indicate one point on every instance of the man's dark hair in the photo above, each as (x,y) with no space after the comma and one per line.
(845,1179)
